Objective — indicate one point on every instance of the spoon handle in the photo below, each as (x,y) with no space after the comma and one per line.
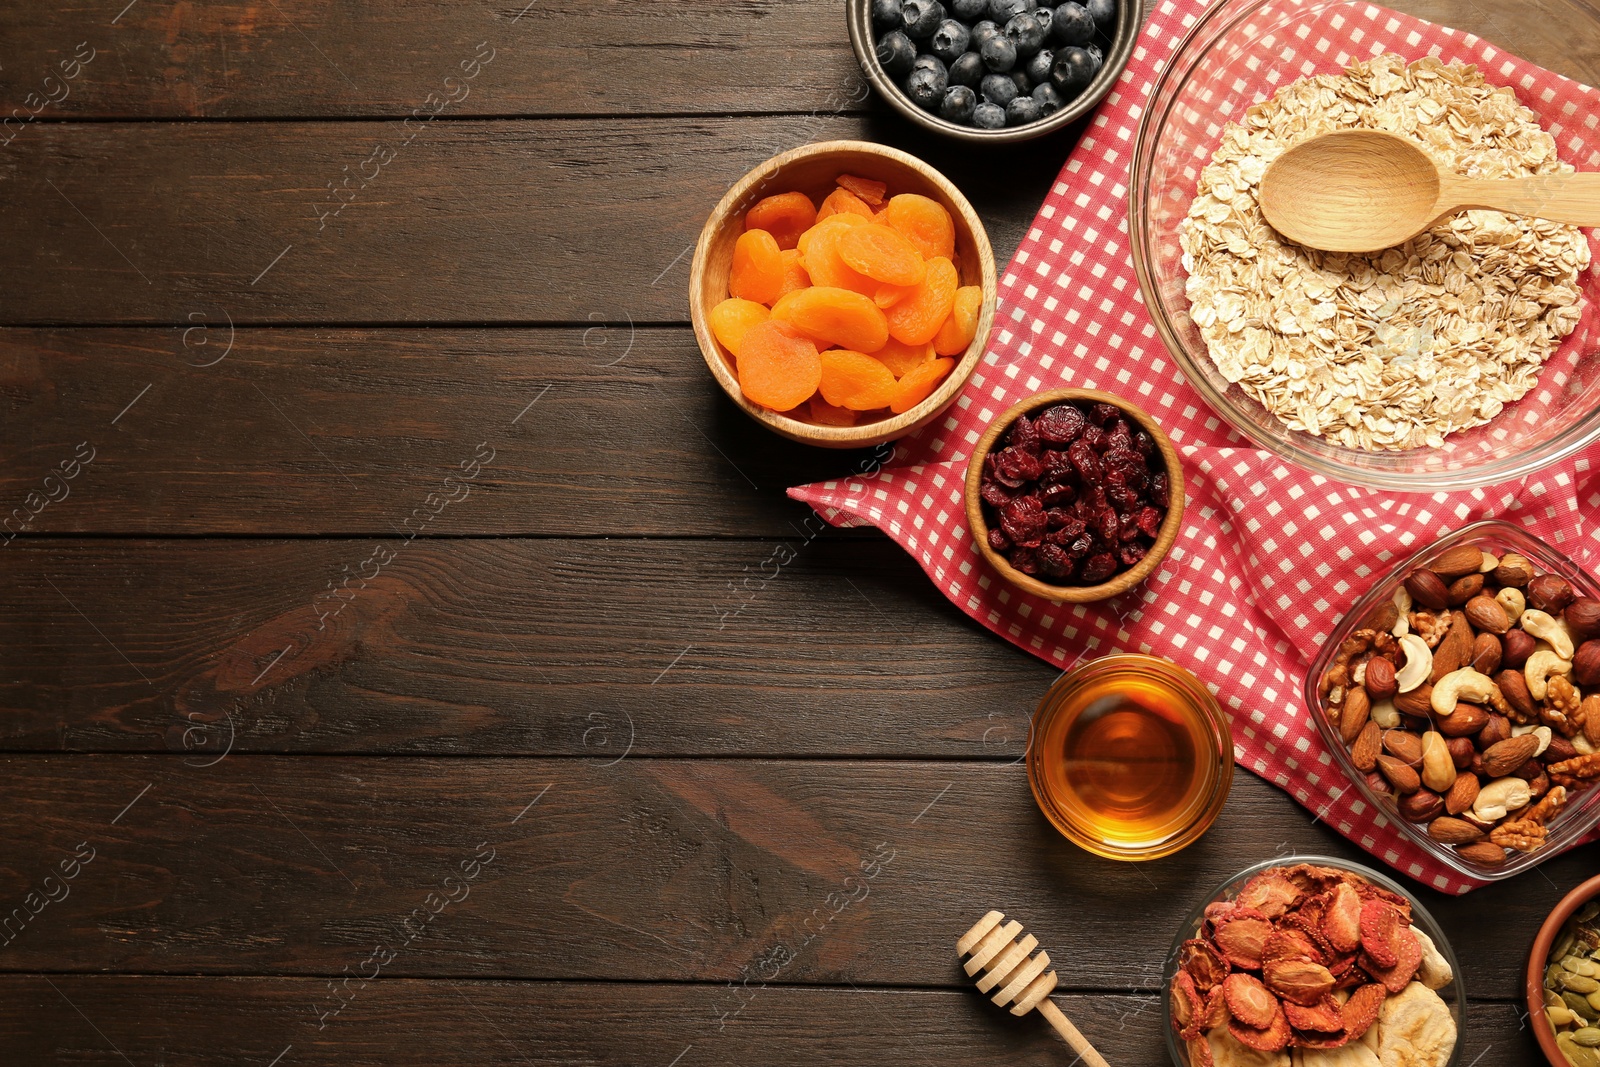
(1080,1044)
(1569,198)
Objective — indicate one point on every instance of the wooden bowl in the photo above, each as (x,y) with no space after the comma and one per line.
(812,169)
(1118,583)
(1118,47)
(1533,985)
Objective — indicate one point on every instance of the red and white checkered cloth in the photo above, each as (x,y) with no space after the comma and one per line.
(1270,555)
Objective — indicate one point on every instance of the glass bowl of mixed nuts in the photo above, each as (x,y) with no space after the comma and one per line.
(1461,358)
(1461,695)
(1304,953)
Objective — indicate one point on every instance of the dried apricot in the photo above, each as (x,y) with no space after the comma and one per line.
(856,381)
(824,226)
(786,216)
(757,271)
(917,318)
(900,358)
(835,316)
(887,296)
(962,325)
(882,254)
(732,319)
(794,272)
(864,188)
(843,201)
(919,384)
(820,256)
(826,414)
(923,222)
(778,365)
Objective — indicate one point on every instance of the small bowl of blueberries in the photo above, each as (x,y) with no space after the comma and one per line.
(993,70)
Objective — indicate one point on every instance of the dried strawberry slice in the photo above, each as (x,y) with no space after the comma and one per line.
(1379,925)
(1300,981)
(1318,1039)
(1361,1010)
(1241,940)
(1367,892)
(1324,1016)
(1269,893)
(1274,1038)
(1409,958)
(1202,963)
(1248,1000)
(1341,919)
(1187,1007)
(1200,1053)
(1216,1010)
(1289,943)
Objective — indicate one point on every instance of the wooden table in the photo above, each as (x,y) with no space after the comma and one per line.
(417,653)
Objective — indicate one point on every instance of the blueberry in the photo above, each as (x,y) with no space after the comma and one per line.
(1049,100)
(1104,13)
(998,89)
(950,40)
(1020,80)
(967,70)
(1073,72)
(1047,19)
(885,15)
(1095,54)
(1003,11)
(999,54)
(1073,24)
(987,116)
(931,62)
(958,104)
(1038,68)
(969,9)
(981,32)
(1022,110)
(921,17)
(925,86)
(896,53)
(1025,32)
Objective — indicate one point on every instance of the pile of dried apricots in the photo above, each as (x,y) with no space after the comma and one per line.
(849,310)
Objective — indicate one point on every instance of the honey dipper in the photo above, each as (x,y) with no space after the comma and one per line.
(1023,983)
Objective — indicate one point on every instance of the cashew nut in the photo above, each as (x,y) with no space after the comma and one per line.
(1540,666)
(1464,684)
(1541,732)
(1385,714)
(1402,601)
(1419,664)
(1359,675)
(1544,626)
(1581,745)
(1490,562)
(1501,796)
(1511,599)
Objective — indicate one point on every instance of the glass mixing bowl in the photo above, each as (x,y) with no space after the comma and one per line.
(1210,81)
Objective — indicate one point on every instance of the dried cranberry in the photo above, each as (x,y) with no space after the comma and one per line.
(1120,437)
(1144,444)
(994,494)
(1060,425)
(1131,553)
(998,539)
(1105,526)
(1055,562)
(1024,438)
(1080,547)
(1025,560)
(1028,465)
(1008,470)
(1098,568)
(1056,518)
(1128,527)
(1094,437)
(1023,521)
(1124,499)
(1056,495)
(1158,490)
(1057,464)
(1150,521)
(1085,462)
(1105,414)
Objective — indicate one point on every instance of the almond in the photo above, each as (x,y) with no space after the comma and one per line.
(1402,777)
(1583,618)
(1590,709)
(1462,794)
(1514,570)
(1483,853)
(1503,757)
(1464,589)
(1353,716)
(1403,746)
(1456,648)
(1514,687)
(1364,753)
(1380,683)
(1586,664)
(1487,651)
(1466,720)
(1450,831)
(1428,589)
(1550,592)
(1458,561)
(1485,613)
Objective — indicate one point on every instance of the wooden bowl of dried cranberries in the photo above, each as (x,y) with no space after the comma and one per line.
(1074,495)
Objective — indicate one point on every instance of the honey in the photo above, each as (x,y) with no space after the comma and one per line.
(1131,757)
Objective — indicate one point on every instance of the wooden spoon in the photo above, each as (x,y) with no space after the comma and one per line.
(1366,190)
(1023,983)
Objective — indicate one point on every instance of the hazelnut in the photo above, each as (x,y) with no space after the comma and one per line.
(1519,645)
(1381,684)
(1378,783)
(1559,750)
(1422,806)
(1583,618)
(1586,664)
(1550,593)
(1496,730)
(1514,570)
(1461,752)
(1428,589)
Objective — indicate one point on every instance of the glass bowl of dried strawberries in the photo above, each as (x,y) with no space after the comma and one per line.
(1298,956)
(1461,695)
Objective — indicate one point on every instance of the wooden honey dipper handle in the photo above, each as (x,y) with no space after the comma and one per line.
(1064,1027)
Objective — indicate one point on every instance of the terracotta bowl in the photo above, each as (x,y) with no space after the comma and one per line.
(812,169)
(1533,984)
(1118,583)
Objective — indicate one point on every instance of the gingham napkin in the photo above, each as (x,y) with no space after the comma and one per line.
(1270,556)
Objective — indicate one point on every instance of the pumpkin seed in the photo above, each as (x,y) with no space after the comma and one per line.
(1577,983)
(1588,1037)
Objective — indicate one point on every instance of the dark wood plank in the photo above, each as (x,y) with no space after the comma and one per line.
(245,1022)
(346,431)
(807,871)
(350,59)
(475,646)
(513,221)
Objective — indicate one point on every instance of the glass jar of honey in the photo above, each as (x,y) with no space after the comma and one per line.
(1131,758)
